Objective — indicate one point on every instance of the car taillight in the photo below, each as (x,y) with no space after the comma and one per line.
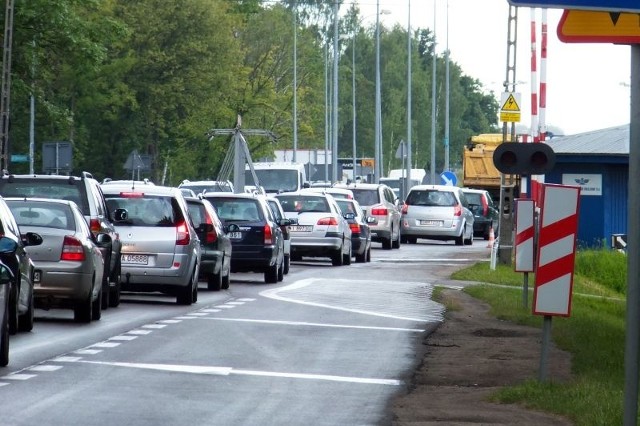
(132,194)
(268,235)
(379,211)
(405,208)
(212,235)
(94,225)
(71,249)
(355,228)
(182,234)
(457,210)
(328,221)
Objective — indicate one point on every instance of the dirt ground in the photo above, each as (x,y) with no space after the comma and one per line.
(466,359)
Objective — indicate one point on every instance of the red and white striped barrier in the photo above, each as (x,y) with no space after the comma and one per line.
(525,233)
(556,249)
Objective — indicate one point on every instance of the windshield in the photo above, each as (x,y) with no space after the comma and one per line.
(275,180)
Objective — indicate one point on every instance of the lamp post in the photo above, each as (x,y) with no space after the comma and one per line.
(406,184)
(295,81)
(334,130)
(433,103)
(378,125)
(353,104)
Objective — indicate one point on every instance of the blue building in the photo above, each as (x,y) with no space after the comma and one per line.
(598,162)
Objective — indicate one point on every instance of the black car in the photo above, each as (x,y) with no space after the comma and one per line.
(256,237)
(485,213)
(16,258)
(360,230)
(215,262)
(86,192)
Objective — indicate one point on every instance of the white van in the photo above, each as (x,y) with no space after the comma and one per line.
(277,177)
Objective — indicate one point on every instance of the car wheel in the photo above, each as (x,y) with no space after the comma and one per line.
(413,240)
(25,321)
(337,259)
(396,243)
(271,274)
(369,254)
(114,293)
(287,263)
(82,312)
(226,280)
(194,290)
(460,239)
(404,240)
(347,257)
(13,309)
(4,331)
(106,289)
(185,294)
(214,281)
(386,244)
(362,257)
(96,312)
(281,271)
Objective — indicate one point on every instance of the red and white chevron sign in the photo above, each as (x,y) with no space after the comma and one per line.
(556,250)
(525,233)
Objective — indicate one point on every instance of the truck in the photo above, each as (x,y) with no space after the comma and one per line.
(478,170)
(277,177)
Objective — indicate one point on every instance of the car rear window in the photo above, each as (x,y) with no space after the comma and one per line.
(236,209)
(474,198)
(432,198)
(366,197)
(146,210)
(301,203)
(42,214)
(61,189)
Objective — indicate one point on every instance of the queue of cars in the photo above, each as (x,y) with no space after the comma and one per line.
(71,242)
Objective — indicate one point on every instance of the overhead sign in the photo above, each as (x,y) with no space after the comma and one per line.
(510,107)
(587,26)
(448,178)
(607,5)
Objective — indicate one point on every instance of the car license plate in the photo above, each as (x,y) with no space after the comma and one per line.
(235,235)
(301,228)
(431,222)
(135,259)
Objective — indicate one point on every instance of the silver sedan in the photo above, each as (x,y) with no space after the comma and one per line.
(69,265)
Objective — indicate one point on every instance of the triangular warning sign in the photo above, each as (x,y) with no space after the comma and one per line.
(511,104)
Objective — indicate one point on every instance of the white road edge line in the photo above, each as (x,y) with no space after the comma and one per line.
(313,324)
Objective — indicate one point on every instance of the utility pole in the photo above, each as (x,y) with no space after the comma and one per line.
(507,183)
(6,86)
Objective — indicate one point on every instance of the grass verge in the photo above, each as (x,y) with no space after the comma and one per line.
(594,334)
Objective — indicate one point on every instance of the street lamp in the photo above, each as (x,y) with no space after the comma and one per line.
(378,159)
(295,81)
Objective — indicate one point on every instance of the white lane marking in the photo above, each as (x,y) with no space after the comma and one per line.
(245,299)
(87,351)
(4,384)
(198,314)
(45,368)
(67,359)
(225,306)
(312,324)
(139,332)
(123,338)
(169,321)
(235,303)
(155,326)
(185,318)
(274,294)
(423,260)
(211,311)
(19,376)
(105,345)
(225,371)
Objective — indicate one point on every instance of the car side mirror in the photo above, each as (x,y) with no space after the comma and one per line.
(103,240)
(32,239)
(120,215)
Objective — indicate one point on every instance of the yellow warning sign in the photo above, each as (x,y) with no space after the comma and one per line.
(510,104)
(510,109)
(590,26)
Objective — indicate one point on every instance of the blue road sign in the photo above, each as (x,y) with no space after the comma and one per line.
(19,158)
(448,178)
(604,5)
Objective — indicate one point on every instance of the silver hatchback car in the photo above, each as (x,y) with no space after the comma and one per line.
(437,212)
(160,247)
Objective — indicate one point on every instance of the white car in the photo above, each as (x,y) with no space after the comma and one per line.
(321,229)
(335,192)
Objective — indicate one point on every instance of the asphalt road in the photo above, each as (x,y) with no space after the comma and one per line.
(327,346)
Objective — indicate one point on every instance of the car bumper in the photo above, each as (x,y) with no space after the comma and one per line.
(253,259)
(412,228)
(315,246)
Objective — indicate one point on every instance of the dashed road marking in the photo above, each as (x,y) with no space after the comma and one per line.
(122,338)
(45,368)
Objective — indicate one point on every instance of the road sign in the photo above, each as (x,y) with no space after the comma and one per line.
(401,152)
(19,158)
(525,232)
(556,250)
(587,26)
(448,178)
(510,109)
(607,5)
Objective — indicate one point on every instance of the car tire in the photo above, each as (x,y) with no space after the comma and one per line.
(185,294)
(387,244)
(281,271)
(13,309)
(347,257)
(25,321)
(287,263)
(106,289)
(369,254)
(362,257)
(460,239)
(396,243)
(114,293)
(83,311)
(96,312)
(404,240)
(412,240)
(337,259)
(271,274)
(226,280)
(4,331)
(214,281)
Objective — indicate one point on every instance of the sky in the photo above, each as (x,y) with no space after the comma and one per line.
(588,84)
